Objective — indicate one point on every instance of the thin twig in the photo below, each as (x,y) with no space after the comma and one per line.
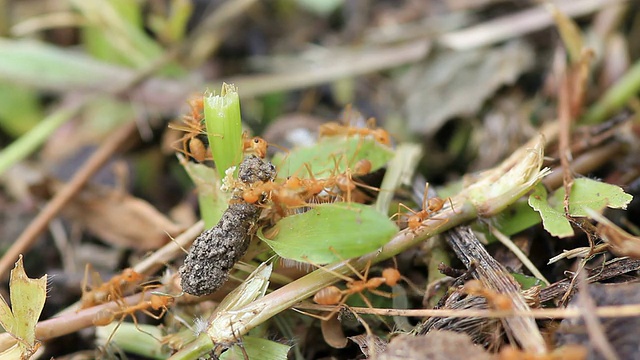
(39,224)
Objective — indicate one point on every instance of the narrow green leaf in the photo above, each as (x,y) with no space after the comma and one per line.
(553,220)
(213,202)
(257,348)
(224,128)
(349,230)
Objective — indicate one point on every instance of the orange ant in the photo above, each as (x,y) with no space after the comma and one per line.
(334,128)
(332,295)
(109,291)
(155,302)
(496,300)
(192,143)
(429,207)
(255,145)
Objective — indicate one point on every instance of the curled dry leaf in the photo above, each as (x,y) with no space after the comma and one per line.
(332,333)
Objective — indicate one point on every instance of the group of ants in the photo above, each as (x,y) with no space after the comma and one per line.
(293,192)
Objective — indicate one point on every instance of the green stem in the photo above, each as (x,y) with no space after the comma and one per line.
(224,128)
(616,97)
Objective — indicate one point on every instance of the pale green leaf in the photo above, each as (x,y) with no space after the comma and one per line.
(596,195)
(139,339)
(14,352)
(323,156)
(257,348)
(213,202)
(6,316)
(27,300)
(553,220)
(348,229)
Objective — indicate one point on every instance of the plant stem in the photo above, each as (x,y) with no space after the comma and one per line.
(616,97)
(224,128)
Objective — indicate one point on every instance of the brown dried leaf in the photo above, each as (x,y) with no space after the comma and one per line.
(370,345)
(333,334)
(121,219)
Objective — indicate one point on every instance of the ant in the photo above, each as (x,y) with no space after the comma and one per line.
(155,302)
(332,295)
(334,128)
(193,141)
(255,145)
(429,207)
(109,291)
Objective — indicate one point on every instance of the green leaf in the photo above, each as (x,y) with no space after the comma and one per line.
(139,339)
(516,218)
(20,110)
(527,282)
(349,230)
(585,194)
(323,156)
(595,195)
(213,202)
(257,348)
(553,220)
(27,297)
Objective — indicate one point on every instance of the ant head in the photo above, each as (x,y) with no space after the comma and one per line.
(130,275)
(293,182)
(250,196)
(159,301)
(382,136)
(259,146)
(414,222)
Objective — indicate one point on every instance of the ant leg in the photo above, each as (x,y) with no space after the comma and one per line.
(333,312)
(336,274)
(382,293)
(398,214)
(368,302)
(354,270)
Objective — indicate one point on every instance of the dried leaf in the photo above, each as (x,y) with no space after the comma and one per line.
(332,332)
(121,219)
(458,83)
